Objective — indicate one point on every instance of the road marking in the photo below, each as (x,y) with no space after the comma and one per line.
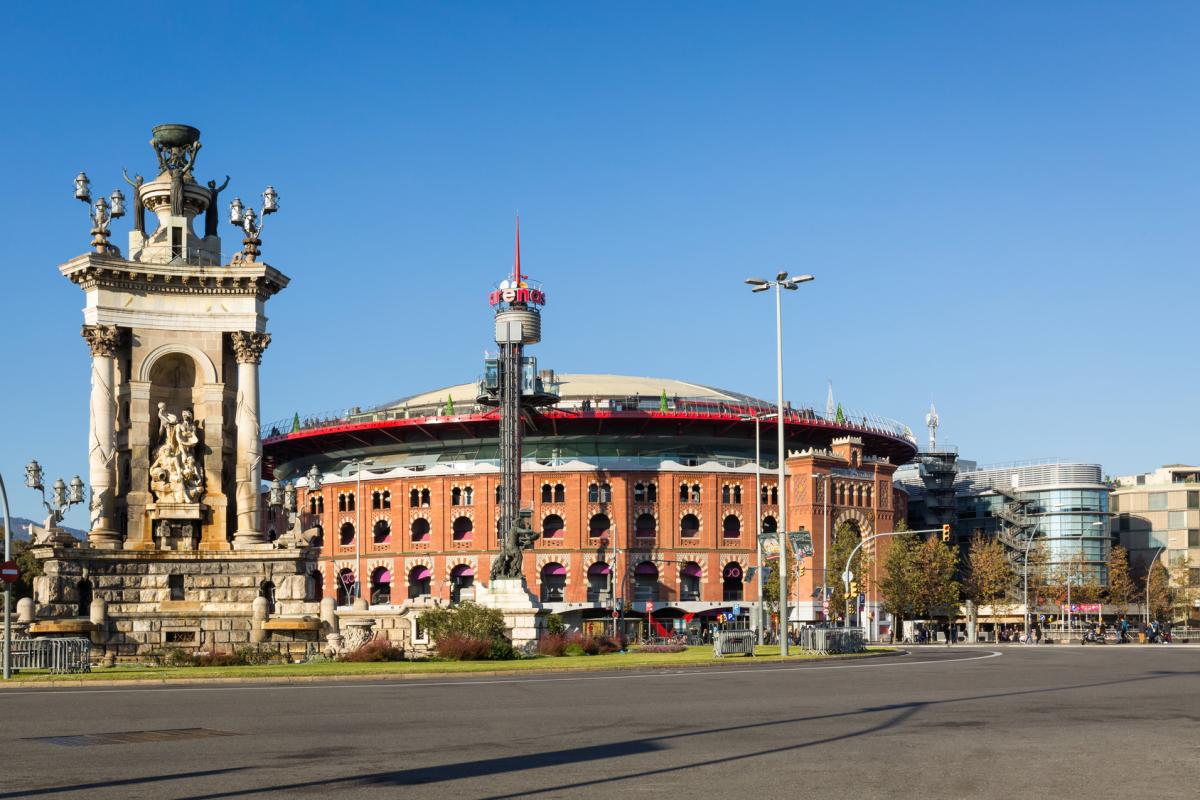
(417,684)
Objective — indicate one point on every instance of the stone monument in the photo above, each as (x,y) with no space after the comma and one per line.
(177,330)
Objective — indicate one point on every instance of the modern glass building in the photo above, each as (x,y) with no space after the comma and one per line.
(1065,503)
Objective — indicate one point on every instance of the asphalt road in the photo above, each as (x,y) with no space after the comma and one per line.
(1119,722)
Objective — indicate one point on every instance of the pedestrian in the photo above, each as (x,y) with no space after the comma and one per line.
(1037,633)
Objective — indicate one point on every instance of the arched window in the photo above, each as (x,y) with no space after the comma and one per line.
(554,582)
(695,493)
(350,506)
(346,534)
(547,493)
(319,539)
(420,530)
(598,581)
(560,493)
(468,496)
(593,493)
(381,586)
(499,493)
(320,504)
(376,500)
(456,496)
(462,577)
(732,527)
(774,495)
(683,492)
(312,504)
(463,528)
(644,526)
(731,584)
(737,493)
(84,591)
(342,502)
(316,586)
(344,586)
(605,493)
(726,496)
(867,496)
(689,526)
(764,494)
(689,581)
(652,493)
(425,498)
(598,526)
(418,582)
(645,582)
(382,532)
(414,498)
(639,493)
(552,527)
(770,524)
(387,498)
(266,590)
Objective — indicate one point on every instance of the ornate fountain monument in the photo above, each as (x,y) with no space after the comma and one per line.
(177,330)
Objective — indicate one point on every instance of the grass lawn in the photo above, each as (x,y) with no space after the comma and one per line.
(693,656)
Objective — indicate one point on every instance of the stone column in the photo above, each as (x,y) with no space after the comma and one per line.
(102,445)
(248,348)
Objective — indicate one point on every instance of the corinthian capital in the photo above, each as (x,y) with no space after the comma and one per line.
(248,346)
(102,339)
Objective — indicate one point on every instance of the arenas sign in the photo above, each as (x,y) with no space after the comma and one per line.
(517,295)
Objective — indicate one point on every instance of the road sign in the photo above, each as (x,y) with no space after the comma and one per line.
(649,606)
(616,613)
(10,572)
(737,611)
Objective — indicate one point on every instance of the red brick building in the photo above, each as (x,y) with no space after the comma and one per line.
(643,489)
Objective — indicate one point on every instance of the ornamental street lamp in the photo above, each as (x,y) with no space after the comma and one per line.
(782,281)
(251,223)
(62,495)
(101,213)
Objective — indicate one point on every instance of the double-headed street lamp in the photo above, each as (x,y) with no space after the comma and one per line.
(1149,573)
(782,281)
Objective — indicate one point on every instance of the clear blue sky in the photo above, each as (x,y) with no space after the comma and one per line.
(999,201)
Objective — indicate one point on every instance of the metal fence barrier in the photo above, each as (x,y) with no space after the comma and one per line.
(732,643)
(55,654)
(833,640)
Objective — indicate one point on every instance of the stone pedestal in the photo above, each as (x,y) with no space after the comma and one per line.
(176,525)
(519,606)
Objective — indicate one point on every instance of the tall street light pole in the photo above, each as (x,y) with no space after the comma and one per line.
(1149,572)
(758,418)
(7,586)
(782,281)
(358,532)
(824,478)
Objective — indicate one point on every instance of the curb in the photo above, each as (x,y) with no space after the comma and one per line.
(419,676)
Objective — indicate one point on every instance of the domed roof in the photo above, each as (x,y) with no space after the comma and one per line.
(578,386)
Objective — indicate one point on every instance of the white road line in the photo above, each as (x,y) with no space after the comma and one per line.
(418,684)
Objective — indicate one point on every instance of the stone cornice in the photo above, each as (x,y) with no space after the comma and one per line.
(92,270)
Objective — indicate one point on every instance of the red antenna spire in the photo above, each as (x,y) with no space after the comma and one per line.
(517,257)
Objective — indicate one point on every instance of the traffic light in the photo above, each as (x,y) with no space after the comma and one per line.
(946,533)
(853,587)
(750,571)
(800,570)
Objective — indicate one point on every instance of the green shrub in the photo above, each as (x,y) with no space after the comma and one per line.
(169,656)
(555,625)
(573,649)
(375,650)
(467,619)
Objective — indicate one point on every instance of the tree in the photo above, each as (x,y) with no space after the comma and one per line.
(989,574)
(1159,580)
(937,590)
(662,402)
(845,538)
(449,406)
(770,578)
(901,577)
(1178,574)
(1038,570)
(1121,590)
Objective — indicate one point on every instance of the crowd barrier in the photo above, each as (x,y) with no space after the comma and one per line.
(55,654)
(833,640)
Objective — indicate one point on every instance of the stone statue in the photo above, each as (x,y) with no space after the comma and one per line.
(211,218)
(178,162)
(175,477)
(139,208)
(507,564)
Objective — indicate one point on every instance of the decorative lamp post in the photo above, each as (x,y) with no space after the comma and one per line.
(63,496)
(251,223)
(782,281)
(101,214)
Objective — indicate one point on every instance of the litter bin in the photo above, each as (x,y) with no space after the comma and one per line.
(1141,638)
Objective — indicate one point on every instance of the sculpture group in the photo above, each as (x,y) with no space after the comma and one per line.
(175,477)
